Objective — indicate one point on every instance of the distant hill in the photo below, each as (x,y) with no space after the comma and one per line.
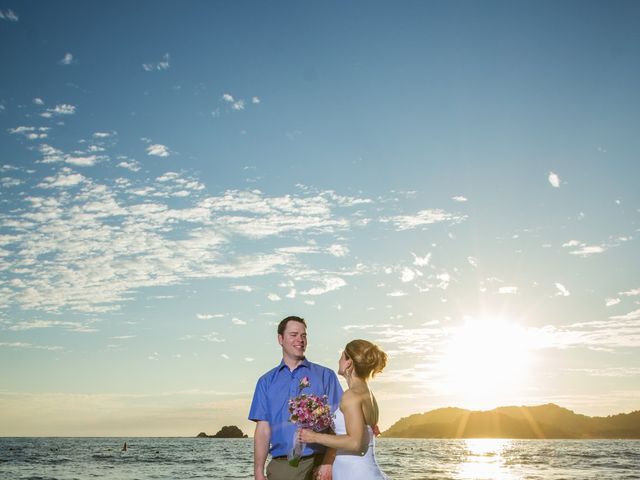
(542,421)
(230,431)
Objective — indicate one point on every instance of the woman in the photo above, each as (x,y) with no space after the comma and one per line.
(357,418)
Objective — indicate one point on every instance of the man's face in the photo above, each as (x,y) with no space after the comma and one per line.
(293,340)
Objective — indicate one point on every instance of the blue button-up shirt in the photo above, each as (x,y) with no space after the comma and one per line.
(271,401)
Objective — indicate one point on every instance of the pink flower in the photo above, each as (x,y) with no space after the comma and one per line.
(304,383)
(310,411)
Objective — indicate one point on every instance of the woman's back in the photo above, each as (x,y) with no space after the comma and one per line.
(353,465)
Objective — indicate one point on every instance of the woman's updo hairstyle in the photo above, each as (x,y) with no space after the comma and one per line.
(368,359)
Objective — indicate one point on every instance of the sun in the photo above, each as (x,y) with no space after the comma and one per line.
(486,363)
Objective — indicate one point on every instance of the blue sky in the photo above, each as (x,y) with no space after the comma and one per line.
(455,181)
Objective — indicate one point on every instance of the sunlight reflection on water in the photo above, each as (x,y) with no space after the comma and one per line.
(484,460)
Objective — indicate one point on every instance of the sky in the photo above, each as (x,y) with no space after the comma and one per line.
(454,181)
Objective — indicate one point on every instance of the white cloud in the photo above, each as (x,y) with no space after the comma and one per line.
(587,250)
(8,15)
(619,372)
(87,161)
(554,180)
(397,293)
(236,104)
(571,243)
(67,59)
(213,337)
(473,261)
(103,244)
(208,316)
(158,150)
(31,133)
(274,297)
(62,109)
(445,279)
(29,345)
(225,356)
(102,135)
(562,291)
(130,165)
(634,315)
(8,182)
(610,302)
(329,284)
(459,198)
(241,288)
(509,290)
(168,176)
(237,321)
(421,261)
(583,249)
(338,250)
(422,218)
(357,327)
(407,275)
(66,178)
(631,293)
(161,65)
(38,101)
(41,324)
(50,154)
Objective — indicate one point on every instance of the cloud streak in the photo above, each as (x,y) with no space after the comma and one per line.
(423,218)
(102,244)
(8,15)
(158,66)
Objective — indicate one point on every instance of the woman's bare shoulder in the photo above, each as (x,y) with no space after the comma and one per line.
(350,397)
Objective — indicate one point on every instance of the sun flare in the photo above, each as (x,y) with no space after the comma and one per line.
(486,363)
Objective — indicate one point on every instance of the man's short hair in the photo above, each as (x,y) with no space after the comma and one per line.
(283,324)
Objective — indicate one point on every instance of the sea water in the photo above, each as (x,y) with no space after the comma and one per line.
(400,459)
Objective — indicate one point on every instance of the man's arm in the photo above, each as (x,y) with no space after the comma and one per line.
(261,439)
(323,472)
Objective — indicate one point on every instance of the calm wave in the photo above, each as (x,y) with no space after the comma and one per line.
(187,458)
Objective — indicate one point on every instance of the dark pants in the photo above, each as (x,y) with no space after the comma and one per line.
(279,468)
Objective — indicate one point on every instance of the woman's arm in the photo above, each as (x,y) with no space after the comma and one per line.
(354,440)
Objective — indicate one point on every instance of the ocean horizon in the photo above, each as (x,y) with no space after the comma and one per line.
(67,458)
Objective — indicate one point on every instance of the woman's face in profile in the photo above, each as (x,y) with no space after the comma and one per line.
(343,364)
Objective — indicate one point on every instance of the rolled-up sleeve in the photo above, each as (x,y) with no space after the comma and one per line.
(259,405)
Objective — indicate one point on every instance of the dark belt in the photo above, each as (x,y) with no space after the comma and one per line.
(284,457)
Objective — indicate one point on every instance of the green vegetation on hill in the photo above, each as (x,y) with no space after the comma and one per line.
(543,421)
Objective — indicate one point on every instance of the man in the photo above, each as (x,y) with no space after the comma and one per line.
(270,409)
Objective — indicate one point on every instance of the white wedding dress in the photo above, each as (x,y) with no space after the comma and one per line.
(351,465)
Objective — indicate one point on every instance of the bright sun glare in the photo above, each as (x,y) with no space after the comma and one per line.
(486,363)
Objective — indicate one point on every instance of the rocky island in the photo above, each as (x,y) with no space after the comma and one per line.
(230,431)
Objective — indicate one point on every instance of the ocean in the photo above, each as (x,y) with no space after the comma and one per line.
(205,458)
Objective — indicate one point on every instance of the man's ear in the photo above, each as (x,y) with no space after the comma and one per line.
(280,339)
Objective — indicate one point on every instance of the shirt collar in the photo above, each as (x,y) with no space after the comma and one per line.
(304,363)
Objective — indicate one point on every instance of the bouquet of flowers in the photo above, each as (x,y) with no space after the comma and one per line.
(307,411)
